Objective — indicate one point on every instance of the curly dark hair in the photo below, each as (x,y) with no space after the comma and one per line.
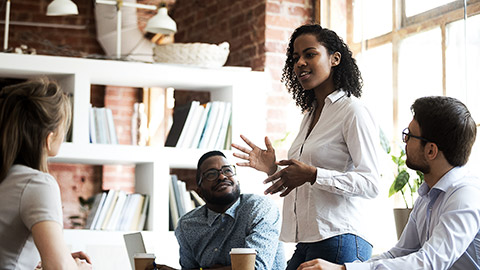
(346,75)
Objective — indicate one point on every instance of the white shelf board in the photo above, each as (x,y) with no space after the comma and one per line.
(100,154)
(121,73)
(185,158)
(114,154)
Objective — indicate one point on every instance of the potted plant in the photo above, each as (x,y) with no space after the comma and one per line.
(406,182)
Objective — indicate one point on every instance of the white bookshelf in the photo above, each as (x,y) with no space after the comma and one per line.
(242,87)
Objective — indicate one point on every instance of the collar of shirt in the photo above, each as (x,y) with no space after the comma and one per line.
(444,183)
(330,99)
(336,95)
(212,215)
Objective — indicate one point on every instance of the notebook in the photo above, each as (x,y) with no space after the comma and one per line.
(134,244)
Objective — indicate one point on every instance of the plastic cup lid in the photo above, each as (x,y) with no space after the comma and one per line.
(144,255)
(243,251)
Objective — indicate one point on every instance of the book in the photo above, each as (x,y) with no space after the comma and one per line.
(192,129)
(130,212)
(177,195)
(196,198)
(100,124)
(217,124)
(69,134)
(185,196)
(144,213)
(112,133)
(95,210)
(110,209)
(134,124)
(207,132)
(104,209)
(172,207)
(91,125)
(123,215)
(136,214)
(228,137)
(180,115)
(200,126)
(115,217)
(222,134)
(188,123)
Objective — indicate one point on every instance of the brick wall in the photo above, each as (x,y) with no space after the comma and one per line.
(75,181)
(120,100)
(257,30)
(76,37)
(241,23)
(282,17)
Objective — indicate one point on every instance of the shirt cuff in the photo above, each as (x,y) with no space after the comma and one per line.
(357,266)
(323,177)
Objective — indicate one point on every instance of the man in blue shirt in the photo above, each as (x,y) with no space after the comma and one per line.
(443,231)
(228,220)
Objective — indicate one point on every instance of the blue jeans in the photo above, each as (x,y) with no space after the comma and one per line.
(338,249)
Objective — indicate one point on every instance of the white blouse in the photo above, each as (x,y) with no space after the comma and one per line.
(344,146)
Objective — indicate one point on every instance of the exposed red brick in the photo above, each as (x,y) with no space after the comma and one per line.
(273,7)
(75,181)
(257,30)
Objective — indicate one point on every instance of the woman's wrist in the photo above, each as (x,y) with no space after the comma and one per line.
(272,170)
(313,177)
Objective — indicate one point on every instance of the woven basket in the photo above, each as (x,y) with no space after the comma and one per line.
(196,54)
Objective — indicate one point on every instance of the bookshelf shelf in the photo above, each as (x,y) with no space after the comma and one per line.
(179,159)
(243,88)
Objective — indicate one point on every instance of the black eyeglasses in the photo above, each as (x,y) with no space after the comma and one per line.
(213,174)
(406,136)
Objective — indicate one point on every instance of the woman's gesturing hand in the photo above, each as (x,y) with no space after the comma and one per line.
(294,175)
(257,158)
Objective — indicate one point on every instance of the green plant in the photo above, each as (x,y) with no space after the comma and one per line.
(403,181)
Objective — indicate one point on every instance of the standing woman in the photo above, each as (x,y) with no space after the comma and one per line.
(332,166)
(34,117)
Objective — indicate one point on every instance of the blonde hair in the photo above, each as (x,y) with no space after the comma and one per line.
(29,112)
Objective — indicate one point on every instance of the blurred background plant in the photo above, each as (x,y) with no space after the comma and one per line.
(406,181)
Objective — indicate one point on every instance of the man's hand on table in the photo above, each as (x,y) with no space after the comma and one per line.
(319,264)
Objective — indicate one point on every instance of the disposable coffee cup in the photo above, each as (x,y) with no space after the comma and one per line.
(243,258)
(142,260)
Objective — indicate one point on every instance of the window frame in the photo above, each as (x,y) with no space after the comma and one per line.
(402,27)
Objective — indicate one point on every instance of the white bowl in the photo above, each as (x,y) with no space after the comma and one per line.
(195,54)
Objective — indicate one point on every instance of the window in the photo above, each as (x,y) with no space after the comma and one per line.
(414,7)
(426,45)
(407,49)
(419,70)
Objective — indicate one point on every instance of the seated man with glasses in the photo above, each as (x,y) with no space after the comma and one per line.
(228,220)
(443,231)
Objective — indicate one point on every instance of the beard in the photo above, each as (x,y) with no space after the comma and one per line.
(225,199)
(424,168)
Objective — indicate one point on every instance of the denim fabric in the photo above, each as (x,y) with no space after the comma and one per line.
(338,249)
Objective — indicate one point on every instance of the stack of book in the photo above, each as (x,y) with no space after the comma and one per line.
(181,200)
(115,210)
(102,128)
(204,126)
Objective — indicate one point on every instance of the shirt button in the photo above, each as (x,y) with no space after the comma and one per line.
(216,249)
(223,229)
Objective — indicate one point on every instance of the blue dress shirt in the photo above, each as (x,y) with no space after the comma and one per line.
(442,231)
(206,237)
